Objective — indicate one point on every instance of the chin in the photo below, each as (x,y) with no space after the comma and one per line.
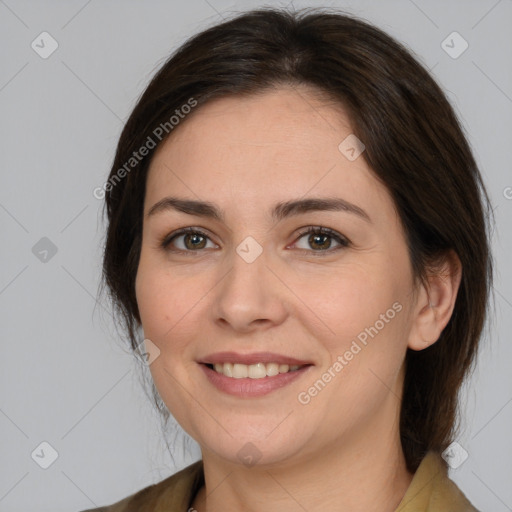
(249,445)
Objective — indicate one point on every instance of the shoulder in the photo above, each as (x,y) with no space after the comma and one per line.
(431,489)
(174,493)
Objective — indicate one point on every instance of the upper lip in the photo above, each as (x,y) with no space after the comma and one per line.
(253,358)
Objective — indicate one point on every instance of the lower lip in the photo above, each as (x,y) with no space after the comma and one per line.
(247,387)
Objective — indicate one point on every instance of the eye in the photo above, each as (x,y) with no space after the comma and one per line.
(192,240)
(320,239)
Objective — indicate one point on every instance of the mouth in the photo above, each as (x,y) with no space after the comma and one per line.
(252,375)
(253,371)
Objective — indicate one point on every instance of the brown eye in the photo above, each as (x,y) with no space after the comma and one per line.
(321,239)
(194,241)
(186,240)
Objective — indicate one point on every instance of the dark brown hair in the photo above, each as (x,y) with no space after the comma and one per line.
(414,145)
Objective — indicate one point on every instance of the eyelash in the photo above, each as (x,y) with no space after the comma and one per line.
(317,230)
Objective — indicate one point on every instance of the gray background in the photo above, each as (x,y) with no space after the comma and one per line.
(65,377)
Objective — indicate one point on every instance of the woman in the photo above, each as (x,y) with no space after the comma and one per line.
(298,225)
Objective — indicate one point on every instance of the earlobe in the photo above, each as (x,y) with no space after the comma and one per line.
(435,303)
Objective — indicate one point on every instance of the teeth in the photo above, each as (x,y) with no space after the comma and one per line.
(240,371)
(227,369)
(253,371)
(272,369)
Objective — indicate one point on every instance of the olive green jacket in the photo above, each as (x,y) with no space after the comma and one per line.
(430,490)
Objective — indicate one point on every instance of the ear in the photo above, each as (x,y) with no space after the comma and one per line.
(435,303)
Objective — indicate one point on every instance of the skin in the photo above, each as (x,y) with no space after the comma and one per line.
(342,450)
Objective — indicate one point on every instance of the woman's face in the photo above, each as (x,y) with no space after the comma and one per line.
(248,286)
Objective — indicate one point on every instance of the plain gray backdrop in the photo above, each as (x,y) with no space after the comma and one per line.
(70,396)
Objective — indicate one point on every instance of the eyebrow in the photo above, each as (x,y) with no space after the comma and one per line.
(280,211)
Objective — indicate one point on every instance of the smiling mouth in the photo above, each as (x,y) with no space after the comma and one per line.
(253,371)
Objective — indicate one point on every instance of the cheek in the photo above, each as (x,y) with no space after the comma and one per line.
(160,303)
(163,305)
(365,310)
(171,307)
(350,299)
(365,354)
(165,309)
(151,299)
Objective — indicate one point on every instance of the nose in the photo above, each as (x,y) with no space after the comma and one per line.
(250,296)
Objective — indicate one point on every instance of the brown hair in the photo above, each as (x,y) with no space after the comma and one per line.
(414,145)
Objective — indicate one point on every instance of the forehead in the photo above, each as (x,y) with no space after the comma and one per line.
(276,145)
(287,115)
